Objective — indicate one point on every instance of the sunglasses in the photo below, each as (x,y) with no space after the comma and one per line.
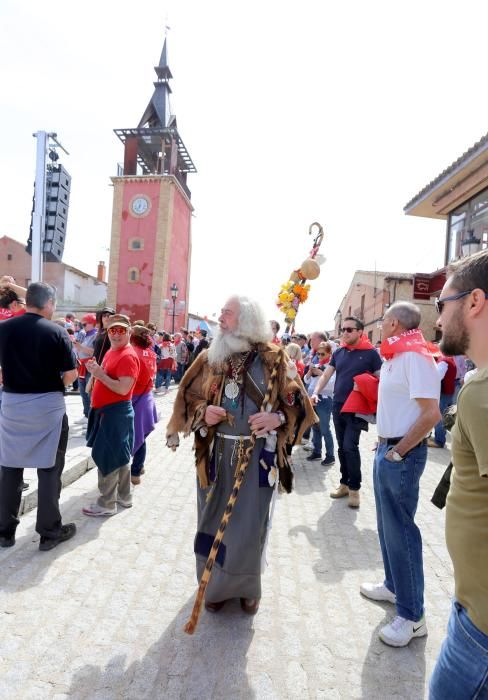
(117,330)
(349,330)
(321,354)
(439,303)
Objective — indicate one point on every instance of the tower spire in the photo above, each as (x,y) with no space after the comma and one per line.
(157,112)
(155,146)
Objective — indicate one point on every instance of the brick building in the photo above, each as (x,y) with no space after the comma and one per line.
(371,292)
(77,290)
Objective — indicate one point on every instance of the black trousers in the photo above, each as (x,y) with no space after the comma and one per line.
(48,491)
(348,431)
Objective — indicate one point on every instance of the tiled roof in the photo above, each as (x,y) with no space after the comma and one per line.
(475,150)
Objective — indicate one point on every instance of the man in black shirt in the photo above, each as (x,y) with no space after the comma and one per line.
(37,363)
(355,356)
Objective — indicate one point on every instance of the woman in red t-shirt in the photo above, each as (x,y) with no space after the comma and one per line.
(145,414)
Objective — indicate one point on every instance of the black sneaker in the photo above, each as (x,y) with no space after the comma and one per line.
(313,457)
(7,541)
(327,461)
(67,532)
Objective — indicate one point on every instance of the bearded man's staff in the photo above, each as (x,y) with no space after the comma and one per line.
(295,291)
(265,408)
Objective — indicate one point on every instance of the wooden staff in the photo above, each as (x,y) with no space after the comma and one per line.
(265,407)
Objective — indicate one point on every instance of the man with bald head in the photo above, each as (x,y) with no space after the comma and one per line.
(408,408)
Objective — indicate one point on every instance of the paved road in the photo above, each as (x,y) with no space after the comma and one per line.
(102,616)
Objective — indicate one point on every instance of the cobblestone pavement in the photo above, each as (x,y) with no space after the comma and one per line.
(102,616)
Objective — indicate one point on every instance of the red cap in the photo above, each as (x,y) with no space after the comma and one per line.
(89,318)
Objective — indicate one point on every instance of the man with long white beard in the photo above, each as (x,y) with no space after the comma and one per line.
(219,400)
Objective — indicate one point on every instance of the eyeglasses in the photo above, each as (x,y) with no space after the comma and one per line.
(117,330)
(439,303)
(321,354)
(349,330)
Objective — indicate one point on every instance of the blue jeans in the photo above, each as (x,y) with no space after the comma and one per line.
(445,401)
(165,377)
(158,380)
(461,671)
(323,409)
(348,432)
(396,490)
(180,372)
(84,396)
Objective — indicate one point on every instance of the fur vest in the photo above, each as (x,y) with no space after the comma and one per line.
(202,386)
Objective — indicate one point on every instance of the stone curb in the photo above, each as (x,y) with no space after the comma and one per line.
(73,473)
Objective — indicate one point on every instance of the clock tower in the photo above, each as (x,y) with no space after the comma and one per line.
(150,247)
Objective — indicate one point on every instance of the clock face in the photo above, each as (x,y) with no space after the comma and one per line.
(140,205)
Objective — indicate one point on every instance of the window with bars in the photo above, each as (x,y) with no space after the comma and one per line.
(133,274)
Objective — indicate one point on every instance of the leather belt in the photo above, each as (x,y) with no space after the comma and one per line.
(233,437)
(396,440)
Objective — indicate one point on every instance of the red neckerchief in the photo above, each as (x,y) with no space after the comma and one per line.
(363,344)
(408,341)
(324,362)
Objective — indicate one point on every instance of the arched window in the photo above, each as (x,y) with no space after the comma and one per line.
(136,243)
(133,274)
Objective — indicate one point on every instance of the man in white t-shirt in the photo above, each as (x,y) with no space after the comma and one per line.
(408,408)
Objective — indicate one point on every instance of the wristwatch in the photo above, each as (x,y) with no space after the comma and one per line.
(396,455)
(282,417)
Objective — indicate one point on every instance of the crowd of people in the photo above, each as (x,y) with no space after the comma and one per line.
(250,397)
(174,352)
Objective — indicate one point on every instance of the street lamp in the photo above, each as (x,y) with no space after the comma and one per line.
(174,294)
(471,244)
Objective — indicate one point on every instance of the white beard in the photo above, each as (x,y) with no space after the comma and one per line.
(224,345)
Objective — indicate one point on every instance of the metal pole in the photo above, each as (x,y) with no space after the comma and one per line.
(39,215)
(174,308)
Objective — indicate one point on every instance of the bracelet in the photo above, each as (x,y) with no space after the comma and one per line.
(282,417)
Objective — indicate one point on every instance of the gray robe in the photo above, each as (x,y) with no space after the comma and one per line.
(237,570)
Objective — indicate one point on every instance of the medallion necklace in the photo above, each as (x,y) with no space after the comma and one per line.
(232,383)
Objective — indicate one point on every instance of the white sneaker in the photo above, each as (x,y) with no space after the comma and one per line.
(124,504)
(377,591)
(401,631)
(96,511)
